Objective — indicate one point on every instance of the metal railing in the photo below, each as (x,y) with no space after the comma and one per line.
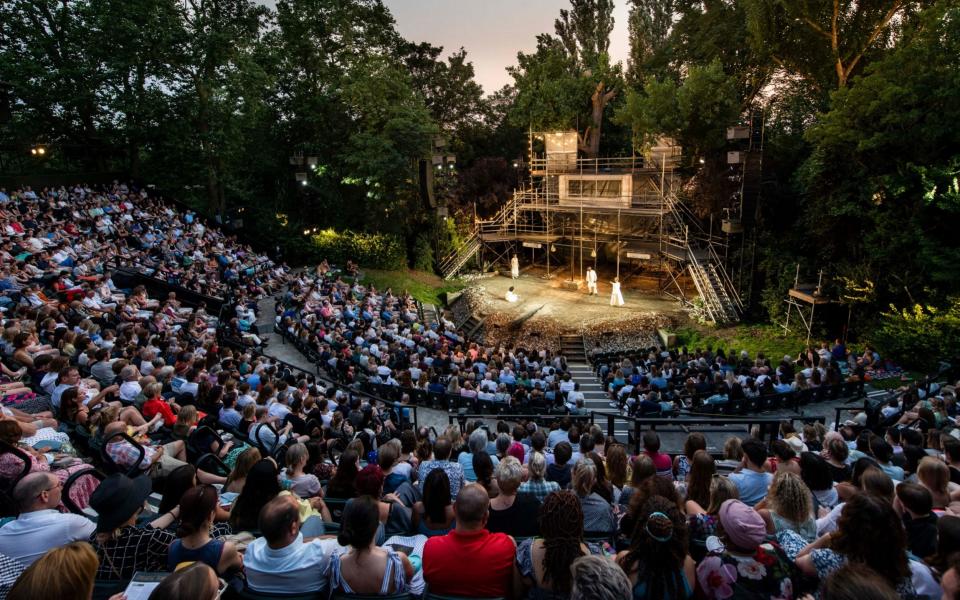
(768,426)
(539,419)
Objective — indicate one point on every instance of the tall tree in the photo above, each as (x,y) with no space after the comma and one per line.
(648,28)
(826,41)
(210,77)
(585,33)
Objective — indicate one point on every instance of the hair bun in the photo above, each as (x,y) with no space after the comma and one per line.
(344,537)
(659,527)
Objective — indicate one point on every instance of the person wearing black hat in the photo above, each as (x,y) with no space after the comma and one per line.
(122,546)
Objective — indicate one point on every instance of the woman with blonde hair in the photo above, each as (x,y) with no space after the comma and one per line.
(703,521)
(934,475)
(65,573)
(789,506)
(597,512)
(536,486)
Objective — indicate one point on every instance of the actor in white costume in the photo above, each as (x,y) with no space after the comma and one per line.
(514,267)
(616,298)
(591,282)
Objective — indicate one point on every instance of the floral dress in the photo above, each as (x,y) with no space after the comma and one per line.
(80,492)
(767,574)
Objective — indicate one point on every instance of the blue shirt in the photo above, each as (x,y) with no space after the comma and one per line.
(556,436)
(466,461)
(752,485)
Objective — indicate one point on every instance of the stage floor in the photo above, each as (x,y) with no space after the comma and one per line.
(548,299)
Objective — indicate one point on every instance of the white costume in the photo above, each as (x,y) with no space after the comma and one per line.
(511,296)
(591,282)
(616,298)
(514,268)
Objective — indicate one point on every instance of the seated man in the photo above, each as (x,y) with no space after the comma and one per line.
(281,562)
(40,525)
(470,561)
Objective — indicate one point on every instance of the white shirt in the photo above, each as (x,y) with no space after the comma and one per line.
(27,538)
(129,390)
(295,569)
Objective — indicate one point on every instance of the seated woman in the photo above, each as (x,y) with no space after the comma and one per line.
(305,485)
(394,516)
(198,510)
(544,562)
(238,476)
(343,483)
(509,513)
(75,412)
(396,473)
(657,561)
(367,568)
(61,465)
(434,514)
(263,485)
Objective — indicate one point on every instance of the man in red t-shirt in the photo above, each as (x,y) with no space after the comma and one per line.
(470,561)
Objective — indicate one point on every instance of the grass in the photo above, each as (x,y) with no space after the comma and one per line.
(425,287)
(768,339)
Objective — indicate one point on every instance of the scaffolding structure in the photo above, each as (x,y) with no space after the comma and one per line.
(574,210)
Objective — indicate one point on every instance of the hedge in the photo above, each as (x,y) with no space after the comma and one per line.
(374,250)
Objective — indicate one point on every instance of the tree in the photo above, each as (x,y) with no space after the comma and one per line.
(212,76)
(881,181)
(648,28)
(696,112)
(585,31)
(825,41)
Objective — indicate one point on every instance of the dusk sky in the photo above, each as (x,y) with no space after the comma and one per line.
(492,31)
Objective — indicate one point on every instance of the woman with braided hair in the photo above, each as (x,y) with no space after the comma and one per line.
(544,562)
(657,561)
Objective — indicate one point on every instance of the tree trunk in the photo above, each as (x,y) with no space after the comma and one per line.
(590,140)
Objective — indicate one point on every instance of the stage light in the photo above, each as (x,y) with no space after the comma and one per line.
(303,183)
(41,150)
(593,254)
(702,161)
(33,151)
(553,248)
(515,165)
(306,232)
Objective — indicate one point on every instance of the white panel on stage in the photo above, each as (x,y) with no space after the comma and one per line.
(599,191)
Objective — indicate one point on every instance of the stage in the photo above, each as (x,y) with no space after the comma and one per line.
(548,309)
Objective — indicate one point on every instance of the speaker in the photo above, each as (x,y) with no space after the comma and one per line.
(426,183)
(5,113)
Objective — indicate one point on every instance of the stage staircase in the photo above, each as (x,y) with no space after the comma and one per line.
(580,369)
(500,225)
(719,301)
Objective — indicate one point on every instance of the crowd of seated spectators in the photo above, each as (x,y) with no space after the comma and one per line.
(346,500)
(64,240)
(657,381)
(363,336)
(277,482)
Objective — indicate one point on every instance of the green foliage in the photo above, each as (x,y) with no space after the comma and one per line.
(768,339)
(379,251)
(424,286)
(920,336)
(879,179)
(697,111)
(423,253)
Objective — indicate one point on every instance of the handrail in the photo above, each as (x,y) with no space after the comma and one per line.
(768,425)
(540,419)
(727,282)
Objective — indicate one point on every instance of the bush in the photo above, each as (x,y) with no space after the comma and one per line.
(374,250)
(920,336)
(423,253)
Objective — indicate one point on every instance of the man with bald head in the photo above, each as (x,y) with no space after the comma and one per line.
(40,525)
(470,561)
(281,561)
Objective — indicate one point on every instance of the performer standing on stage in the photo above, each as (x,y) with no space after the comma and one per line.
(616,298)
(514,267)
(591,282)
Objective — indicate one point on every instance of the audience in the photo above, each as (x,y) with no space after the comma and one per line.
(865,511)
